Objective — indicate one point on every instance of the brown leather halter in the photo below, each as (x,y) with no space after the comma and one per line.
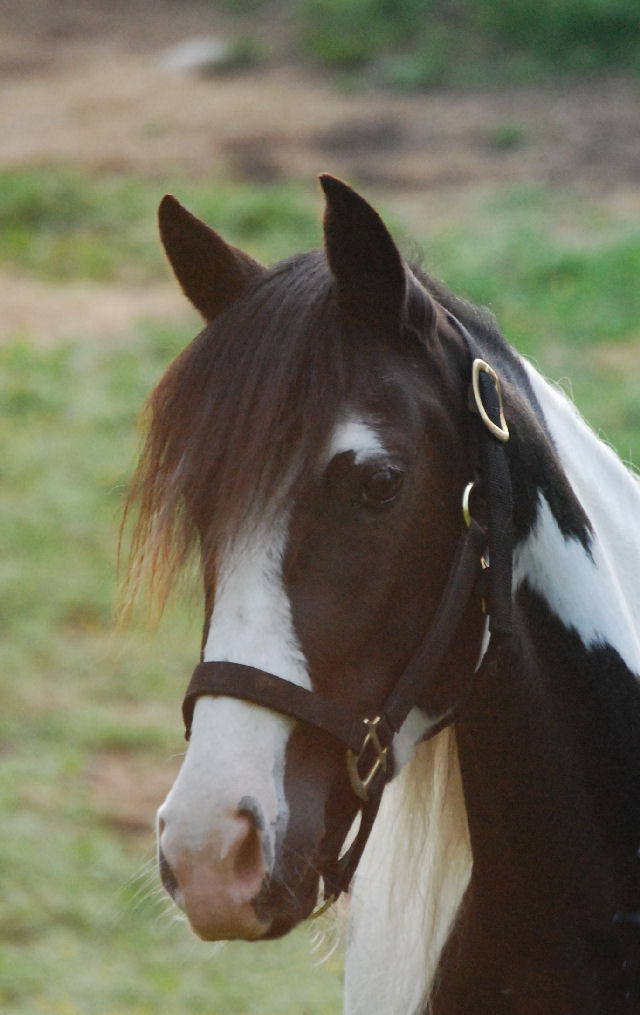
(368,739)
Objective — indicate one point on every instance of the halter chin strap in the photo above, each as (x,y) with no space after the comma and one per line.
(368,740)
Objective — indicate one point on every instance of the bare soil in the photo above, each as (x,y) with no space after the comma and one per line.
(127,790)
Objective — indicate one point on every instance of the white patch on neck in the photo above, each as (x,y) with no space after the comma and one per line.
(610,495)
(358,436)
(581,589)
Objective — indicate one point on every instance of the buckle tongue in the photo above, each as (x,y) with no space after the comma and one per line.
(360,783)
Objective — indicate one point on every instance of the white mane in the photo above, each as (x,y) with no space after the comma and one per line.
(409,884)
(608,491)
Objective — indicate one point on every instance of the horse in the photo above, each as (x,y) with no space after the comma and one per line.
(418,679)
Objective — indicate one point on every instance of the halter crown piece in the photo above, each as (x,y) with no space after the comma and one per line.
(368,739)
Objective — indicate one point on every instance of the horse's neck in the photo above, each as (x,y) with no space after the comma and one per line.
(535,932)
(595,592)
(578,603)
(394,943)
(547,748)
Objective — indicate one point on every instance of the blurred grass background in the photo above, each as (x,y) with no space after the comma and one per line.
(90,733)
(408,44)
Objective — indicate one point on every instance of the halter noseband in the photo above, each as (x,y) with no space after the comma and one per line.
(369,739)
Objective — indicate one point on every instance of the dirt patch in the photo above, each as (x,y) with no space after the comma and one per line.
(45,313)
(127,791)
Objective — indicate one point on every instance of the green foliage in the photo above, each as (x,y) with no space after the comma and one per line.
(347,34)
(562,280)
(599,31)
(62,224)
(411,44)
(82,925)
(427,67)
(59,224)
(507,136)
(272,221)
(247,51)
(565,278)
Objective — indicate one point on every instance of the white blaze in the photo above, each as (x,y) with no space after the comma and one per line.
(356,435)
(251,621)
(581,588)
(236,748)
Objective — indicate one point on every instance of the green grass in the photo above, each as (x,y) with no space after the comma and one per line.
(553,271)
(83,930)
(415,44)
(61,225)
(562,280)
(81,925)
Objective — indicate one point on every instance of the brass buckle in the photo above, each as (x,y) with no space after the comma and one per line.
(360,784)
(500,431)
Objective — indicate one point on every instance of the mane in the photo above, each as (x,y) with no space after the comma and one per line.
(238,417)
(480,321)
(410,884)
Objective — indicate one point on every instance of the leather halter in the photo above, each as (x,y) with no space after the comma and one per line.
(368,739)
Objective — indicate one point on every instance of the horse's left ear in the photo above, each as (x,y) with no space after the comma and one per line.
(364,260)
(212,273)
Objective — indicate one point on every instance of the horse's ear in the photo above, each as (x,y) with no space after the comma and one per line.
(212,273)
(364,260)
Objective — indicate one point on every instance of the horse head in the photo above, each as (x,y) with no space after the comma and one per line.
(311,443)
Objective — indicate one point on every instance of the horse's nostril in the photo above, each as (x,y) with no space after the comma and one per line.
(166,874)
(258,837)
(250,807)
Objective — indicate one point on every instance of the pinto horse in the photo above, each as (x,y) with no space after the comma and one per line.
(421,628)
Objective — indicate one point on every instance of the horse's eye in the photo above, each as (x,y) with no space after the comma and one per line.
(382,486)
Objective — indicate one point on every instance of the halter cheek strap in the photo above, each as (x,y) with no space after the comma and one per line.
(368,740)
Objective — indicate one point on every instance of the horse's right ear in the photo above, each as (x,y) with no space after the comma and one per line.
(364,260)
(213,274)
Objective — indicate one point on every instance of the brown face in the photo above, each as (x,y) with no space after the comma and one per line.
(332,591)
(334,595)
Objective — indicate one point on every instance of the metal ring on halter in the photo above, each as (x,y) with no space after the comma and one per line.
(500,429)
(466,496)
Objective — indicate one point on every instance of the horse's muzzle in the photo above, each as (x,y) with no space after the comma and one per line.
(217,885)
